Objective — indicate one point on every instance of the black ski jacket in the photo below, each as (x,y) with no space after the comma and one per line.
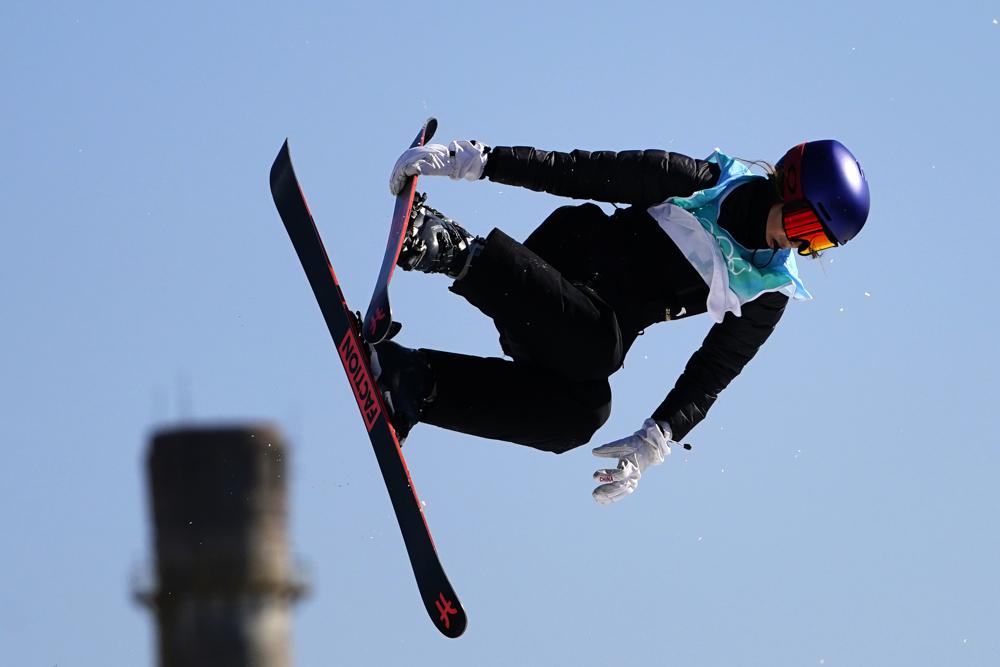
(639,270)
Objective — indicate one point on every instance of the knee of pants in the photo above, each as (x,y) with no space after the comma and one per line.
(611,355)
(594,357)
(566,238)
(588,354)
(573,360)
(580,427)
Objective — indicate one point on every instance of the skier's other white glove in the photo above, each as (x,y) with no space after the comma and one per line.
(459,159)
(648,446)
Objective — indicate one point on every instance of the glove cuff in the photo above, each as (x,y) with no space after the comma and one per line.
(468,159)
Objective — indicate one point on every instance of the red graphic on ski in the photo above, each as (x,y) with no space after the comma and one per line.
(445,608)
(361,380)
(378,317)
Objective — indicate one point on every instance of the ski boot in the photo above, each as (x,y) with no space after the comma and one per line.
(435,243)
(406,381)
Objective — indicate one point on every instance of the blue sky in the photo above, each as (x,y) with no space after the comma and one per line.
(840,506)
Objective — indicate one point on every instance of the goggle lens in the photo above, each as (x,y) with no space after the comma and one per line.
(803,227)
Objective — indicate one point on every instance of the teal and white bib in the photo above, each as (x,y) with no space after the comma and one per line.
(725,266)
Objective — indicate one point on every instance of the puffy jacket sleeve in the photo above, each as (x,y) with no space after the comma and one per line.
(730,344)
(643,178)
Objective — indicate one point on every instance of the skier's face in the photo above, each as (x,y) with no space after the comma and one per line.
(775,233)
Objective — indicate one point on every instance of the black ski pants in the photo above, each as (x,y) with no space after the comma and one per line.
(563,339)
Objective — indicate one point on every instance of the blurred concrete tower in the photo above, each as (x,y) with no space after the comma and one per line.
(224,579)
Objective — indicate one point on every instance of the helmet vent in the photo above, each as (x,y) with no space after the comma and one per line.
(822,209)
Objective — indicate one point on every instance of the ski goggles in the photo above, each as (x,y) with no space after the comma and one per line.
(804,228)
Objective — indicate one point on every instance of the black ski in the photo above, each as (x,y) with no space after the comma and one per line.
(438,597)
(378,319)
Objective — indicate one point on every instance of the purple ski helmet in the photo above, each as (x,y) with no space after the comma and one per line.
(825,195)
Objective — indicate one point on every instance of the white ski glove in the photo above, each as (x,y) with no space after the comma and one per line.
(648,446)
(460,159)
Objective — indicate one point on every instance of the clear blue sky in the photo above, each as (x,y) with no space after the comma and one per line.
(841,503)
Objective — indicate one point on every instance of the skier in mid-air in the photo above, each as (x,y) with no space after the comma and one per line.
(697,236)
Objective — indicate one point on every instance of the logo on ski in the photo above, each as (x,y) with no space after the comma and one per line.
(378,317)
(360,379)
(445,608)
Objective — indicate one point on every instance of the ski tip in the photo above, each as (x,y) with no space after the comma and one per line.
(456,625)
(457,632)
(430,127)
(282,164)
(446,612)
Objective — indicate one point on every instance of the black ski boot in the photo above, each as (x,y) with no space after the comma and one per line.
(434,242)
(406,382)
